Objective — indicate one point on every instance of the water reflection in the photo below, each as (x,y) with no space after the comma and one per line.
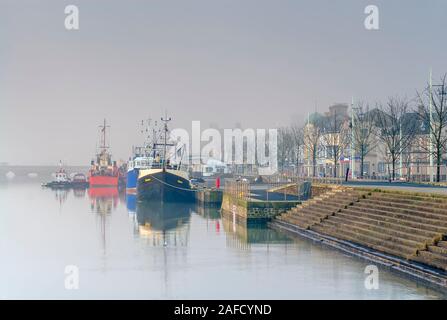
(103,200)
(243,235)
(163,224)
(208,212)
(211,215)
(167,251)
(80,192)
(61,196)
(131,204)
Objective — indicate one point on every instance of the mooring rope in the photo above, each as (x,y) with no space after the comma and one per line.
(172,186)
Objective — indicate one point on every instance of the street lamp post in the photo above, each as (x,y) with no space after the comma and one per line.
(308,147)
(401,149)
(352,140)
(430,127)
(442,92)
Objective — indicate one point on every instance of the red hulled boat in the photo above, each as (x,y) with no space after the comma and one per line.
(104,172)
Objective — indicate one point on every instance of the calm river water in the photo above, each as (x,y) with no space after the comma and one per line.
(122,249)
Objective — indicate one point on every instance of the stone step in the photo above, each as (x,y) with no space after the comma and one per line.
(320,212)
(414,222)
(387,211)
(377,244)
(340,201)
(417,200)
(310,202)
(309,217)
(442,244)
(321,197)
(397,224)
(327,207)
(307,211)
(422,207)
(412,195)
(375,234)
(384,207)
(429,262)
(330,196)
(402,216)
(386,230)
(438,250)
(433,259)
(303,222)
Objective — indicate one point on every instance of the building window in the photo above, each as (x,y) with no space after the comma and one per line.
(381,167)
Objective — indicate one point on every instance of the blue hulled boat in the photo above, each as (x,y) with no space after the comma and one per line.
(142,157)
(133,170)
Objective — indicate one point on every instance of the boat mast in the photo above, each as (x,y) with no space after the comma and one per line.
(103,131)
(102,154)
(165,120)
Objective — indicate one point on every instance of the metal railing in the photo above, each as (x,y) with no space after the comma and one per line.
(237,188)
(271,188)
(282,179)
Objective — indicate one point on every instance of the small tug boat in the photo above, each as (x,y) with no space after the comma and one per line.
(61,179)
(104,172)
(79,181)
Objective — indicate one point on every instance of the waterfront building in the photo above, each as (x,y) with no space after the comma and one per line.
(327,135)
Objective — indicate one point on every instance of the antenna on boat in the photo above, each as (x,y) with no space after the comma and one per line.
(165,121)
(103,138)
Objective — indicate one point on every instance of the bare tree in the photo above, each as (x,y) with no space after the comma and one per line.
(408,156)
(437,125)
(285,145)
(297,142)
(312,133)
(336,137)
(364,132)
(396,129)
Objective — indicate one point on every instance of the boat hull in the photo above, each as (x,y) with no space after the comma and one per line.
(131,203)
(103,181)
(103,192)
(158,216)
(164,186)
(58,185)
(79,184)
(132,181)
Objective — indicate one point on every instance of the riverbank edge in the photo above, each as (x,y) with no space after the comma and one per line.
(429,276)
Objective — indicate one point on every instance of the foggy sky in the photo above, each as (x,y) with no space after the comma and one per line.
(259,63)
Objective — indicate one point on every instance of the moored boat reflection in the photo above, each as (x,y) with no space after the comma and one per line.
(164,224)
(79,192)
(243,235)
(131,203)
(103,200)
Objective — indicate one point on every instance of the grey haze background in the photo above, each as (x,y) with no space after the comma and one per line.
(255,62)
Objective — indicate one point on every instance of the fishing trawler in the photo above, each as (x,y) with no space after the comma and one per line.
(104,172)
(165,180)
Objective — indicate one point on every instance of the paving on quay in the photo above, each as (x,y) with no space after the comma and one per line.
(407,186)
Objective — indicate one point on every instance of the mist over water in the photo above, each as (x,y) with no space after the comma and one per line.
(258,63)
